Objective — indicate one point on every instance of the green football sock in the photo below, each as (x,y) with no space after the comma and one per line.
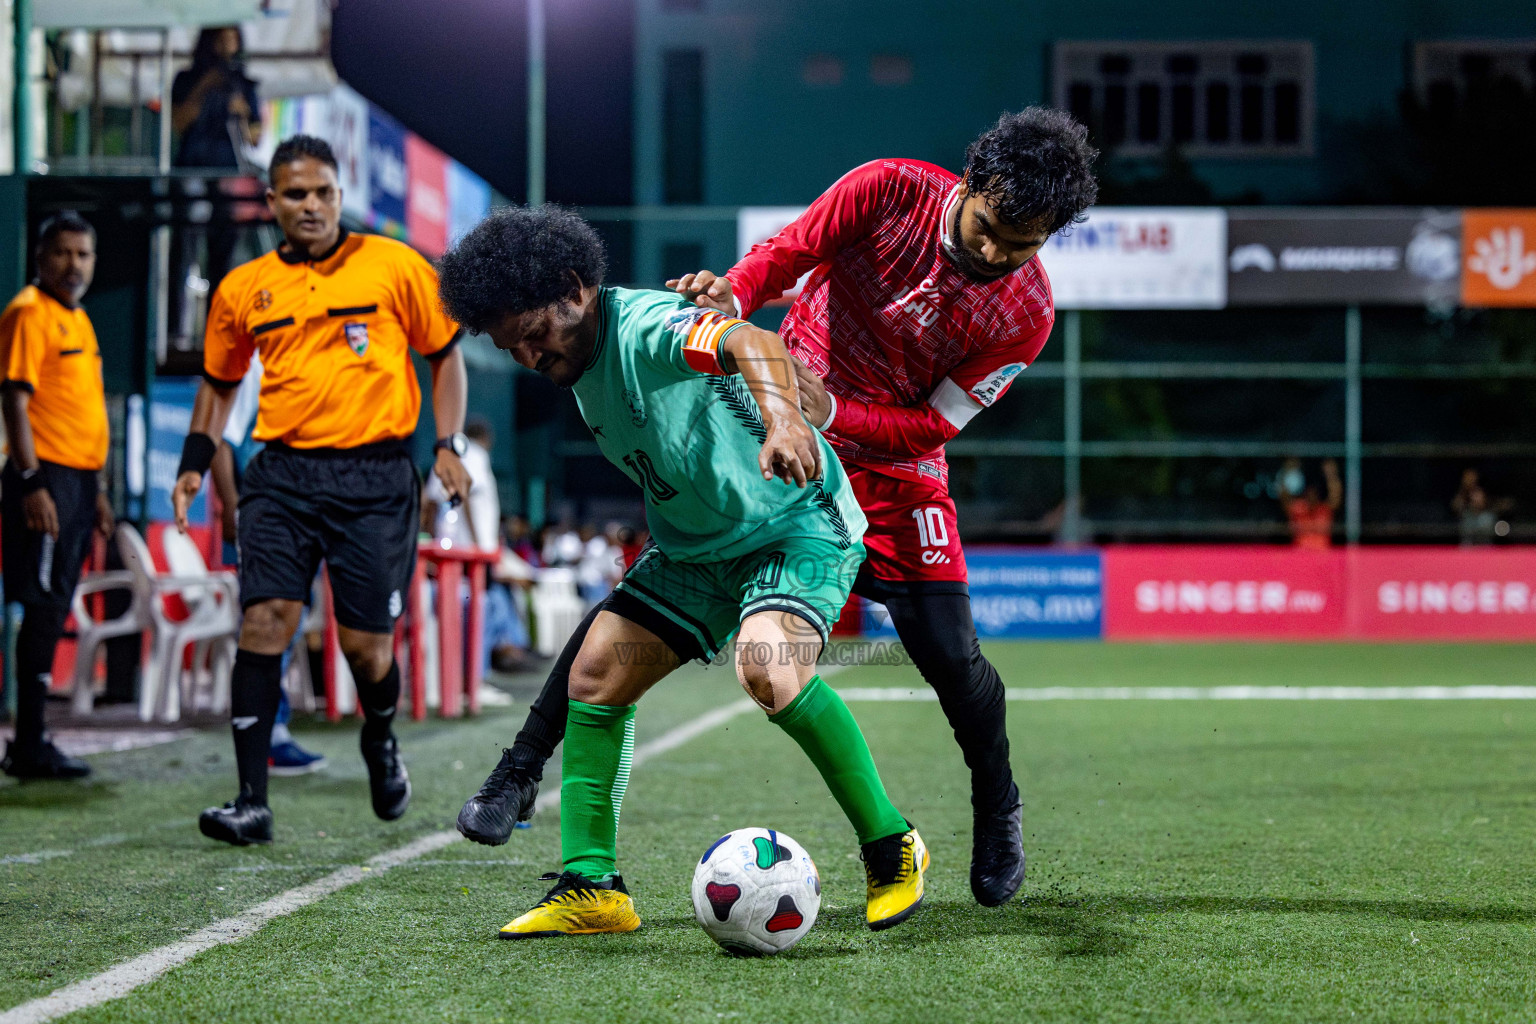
(599,748)
(821,723)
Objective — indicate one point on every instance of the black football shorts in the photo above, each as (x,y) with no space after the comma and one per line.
(355,508)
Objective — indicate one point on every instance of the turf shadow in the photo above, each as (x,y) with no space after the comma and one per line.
(44,795)
(1411,910)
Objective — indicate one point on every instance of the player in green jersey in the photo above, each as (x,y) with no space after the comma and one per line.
(756,533)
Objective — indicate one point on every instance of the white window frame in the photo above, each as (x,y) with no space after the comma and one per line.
(1077,60)
(1434,59)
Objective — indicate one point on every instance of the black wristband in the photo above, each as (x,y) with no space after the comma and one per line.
(197,453)
(32,480)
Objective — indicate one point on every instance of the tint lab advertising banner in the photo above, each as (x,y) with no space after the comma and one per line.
(1125,257)
(1328,257)
(1027,594)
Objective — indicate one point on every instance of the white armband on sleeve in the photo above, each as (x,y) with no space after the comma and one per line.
(831,415)
(737,303)
(952,402)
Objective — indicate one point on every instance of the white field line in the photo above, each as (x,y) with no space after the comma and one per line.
(113,839)
(888,694)
(116,982)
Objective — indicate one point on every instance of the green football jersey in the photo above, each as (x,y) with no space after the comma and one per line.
(664,411)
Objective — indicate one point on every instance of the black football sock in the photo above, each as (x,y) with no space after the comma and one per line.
(379,701)
(36,639)
(938,632)
(255,688)
(544,727)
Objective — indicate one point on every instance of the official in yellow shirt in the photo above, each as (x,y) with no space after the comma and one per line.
(334,317)
(50,495)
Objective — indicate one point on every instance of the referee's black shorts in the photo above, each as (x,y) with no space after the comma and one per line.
(40,570)
(356,508)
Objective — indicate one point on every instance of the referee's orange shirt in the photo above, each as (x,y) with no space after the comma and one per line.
(50,350)
(333,335)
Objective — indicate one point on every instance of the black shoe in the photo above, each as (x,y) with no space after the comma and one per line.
(44,761)
(387,780)
(997,852)
(239,822)
(507,798)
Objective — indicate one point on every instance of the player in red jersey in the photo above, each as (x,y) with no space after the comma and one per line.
(925,300)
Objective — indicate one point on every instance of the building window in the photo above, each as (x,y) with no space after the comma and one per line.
(890,70)
(822,70)
(1448,73)
(682,126)
(1237,98)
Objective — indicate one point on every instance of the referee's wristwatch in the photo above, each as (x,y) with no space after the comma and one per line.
(456,443)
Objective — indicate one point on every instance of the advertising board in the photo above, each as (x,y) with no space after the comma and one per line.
(426,201)
(1499,258)
(1323,257)
(1223,592)
(1140,258)
(1027,593)
(1443,593)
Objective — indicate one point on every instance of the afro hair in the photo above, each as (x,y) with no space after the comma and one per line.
(517,260)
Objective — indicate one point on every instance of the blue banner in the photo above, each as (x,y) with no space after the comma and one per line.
(1023,593)
(469,200)
(170,415)
(387,181)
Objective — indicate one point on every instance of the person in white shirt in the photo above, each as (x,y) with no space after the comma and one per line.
(477,524)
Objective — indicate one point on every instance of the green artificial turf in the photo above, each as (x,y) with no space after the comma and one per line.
(1205,860)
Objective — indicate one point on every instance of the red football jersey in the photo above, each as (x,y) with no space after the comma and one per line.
(910,346)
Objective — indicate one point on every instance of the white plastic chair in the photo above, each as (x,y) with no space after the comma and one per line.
(91,634)
(213,621)
(557,609)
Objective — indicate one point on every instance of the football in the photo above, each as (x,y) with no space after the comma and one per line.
(756,892)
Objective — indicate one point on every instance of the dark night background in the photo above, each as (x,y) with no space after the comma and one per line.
(462,86)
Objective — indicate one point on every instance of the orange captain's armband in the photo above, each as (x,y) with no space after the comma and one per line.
(702,332)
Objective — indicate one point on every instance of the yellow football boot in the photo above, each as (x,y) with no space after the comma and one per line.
(577,906)
(894,868)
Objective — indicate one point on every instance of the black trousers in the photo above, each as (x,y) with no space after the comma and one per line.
(41,573)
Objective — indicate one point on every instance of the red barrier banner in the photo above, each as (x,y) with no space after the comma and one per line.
(1234,593)
(1443,593)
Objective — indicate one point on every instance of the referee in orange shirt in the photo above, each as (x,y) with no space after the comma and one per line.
(334,317)
(56,427)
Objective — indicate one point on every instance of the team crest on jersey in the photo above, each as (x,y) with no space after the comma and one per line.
(636,406)
(357,337)
(987,389)
(683,321)
(263,300)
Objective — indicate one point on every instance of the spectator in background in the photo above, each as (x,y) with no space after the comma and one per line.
(216,112)
(1479,516)
(601,563)
(1311,515)
(477,524)
(517,537)
(474,523)
(562,546)
(214,105)
(55,415)
(631,543)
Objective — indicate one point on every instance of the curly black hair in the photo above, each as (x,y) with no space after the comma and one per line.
(296,147)
(515,260)
(1036,167)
